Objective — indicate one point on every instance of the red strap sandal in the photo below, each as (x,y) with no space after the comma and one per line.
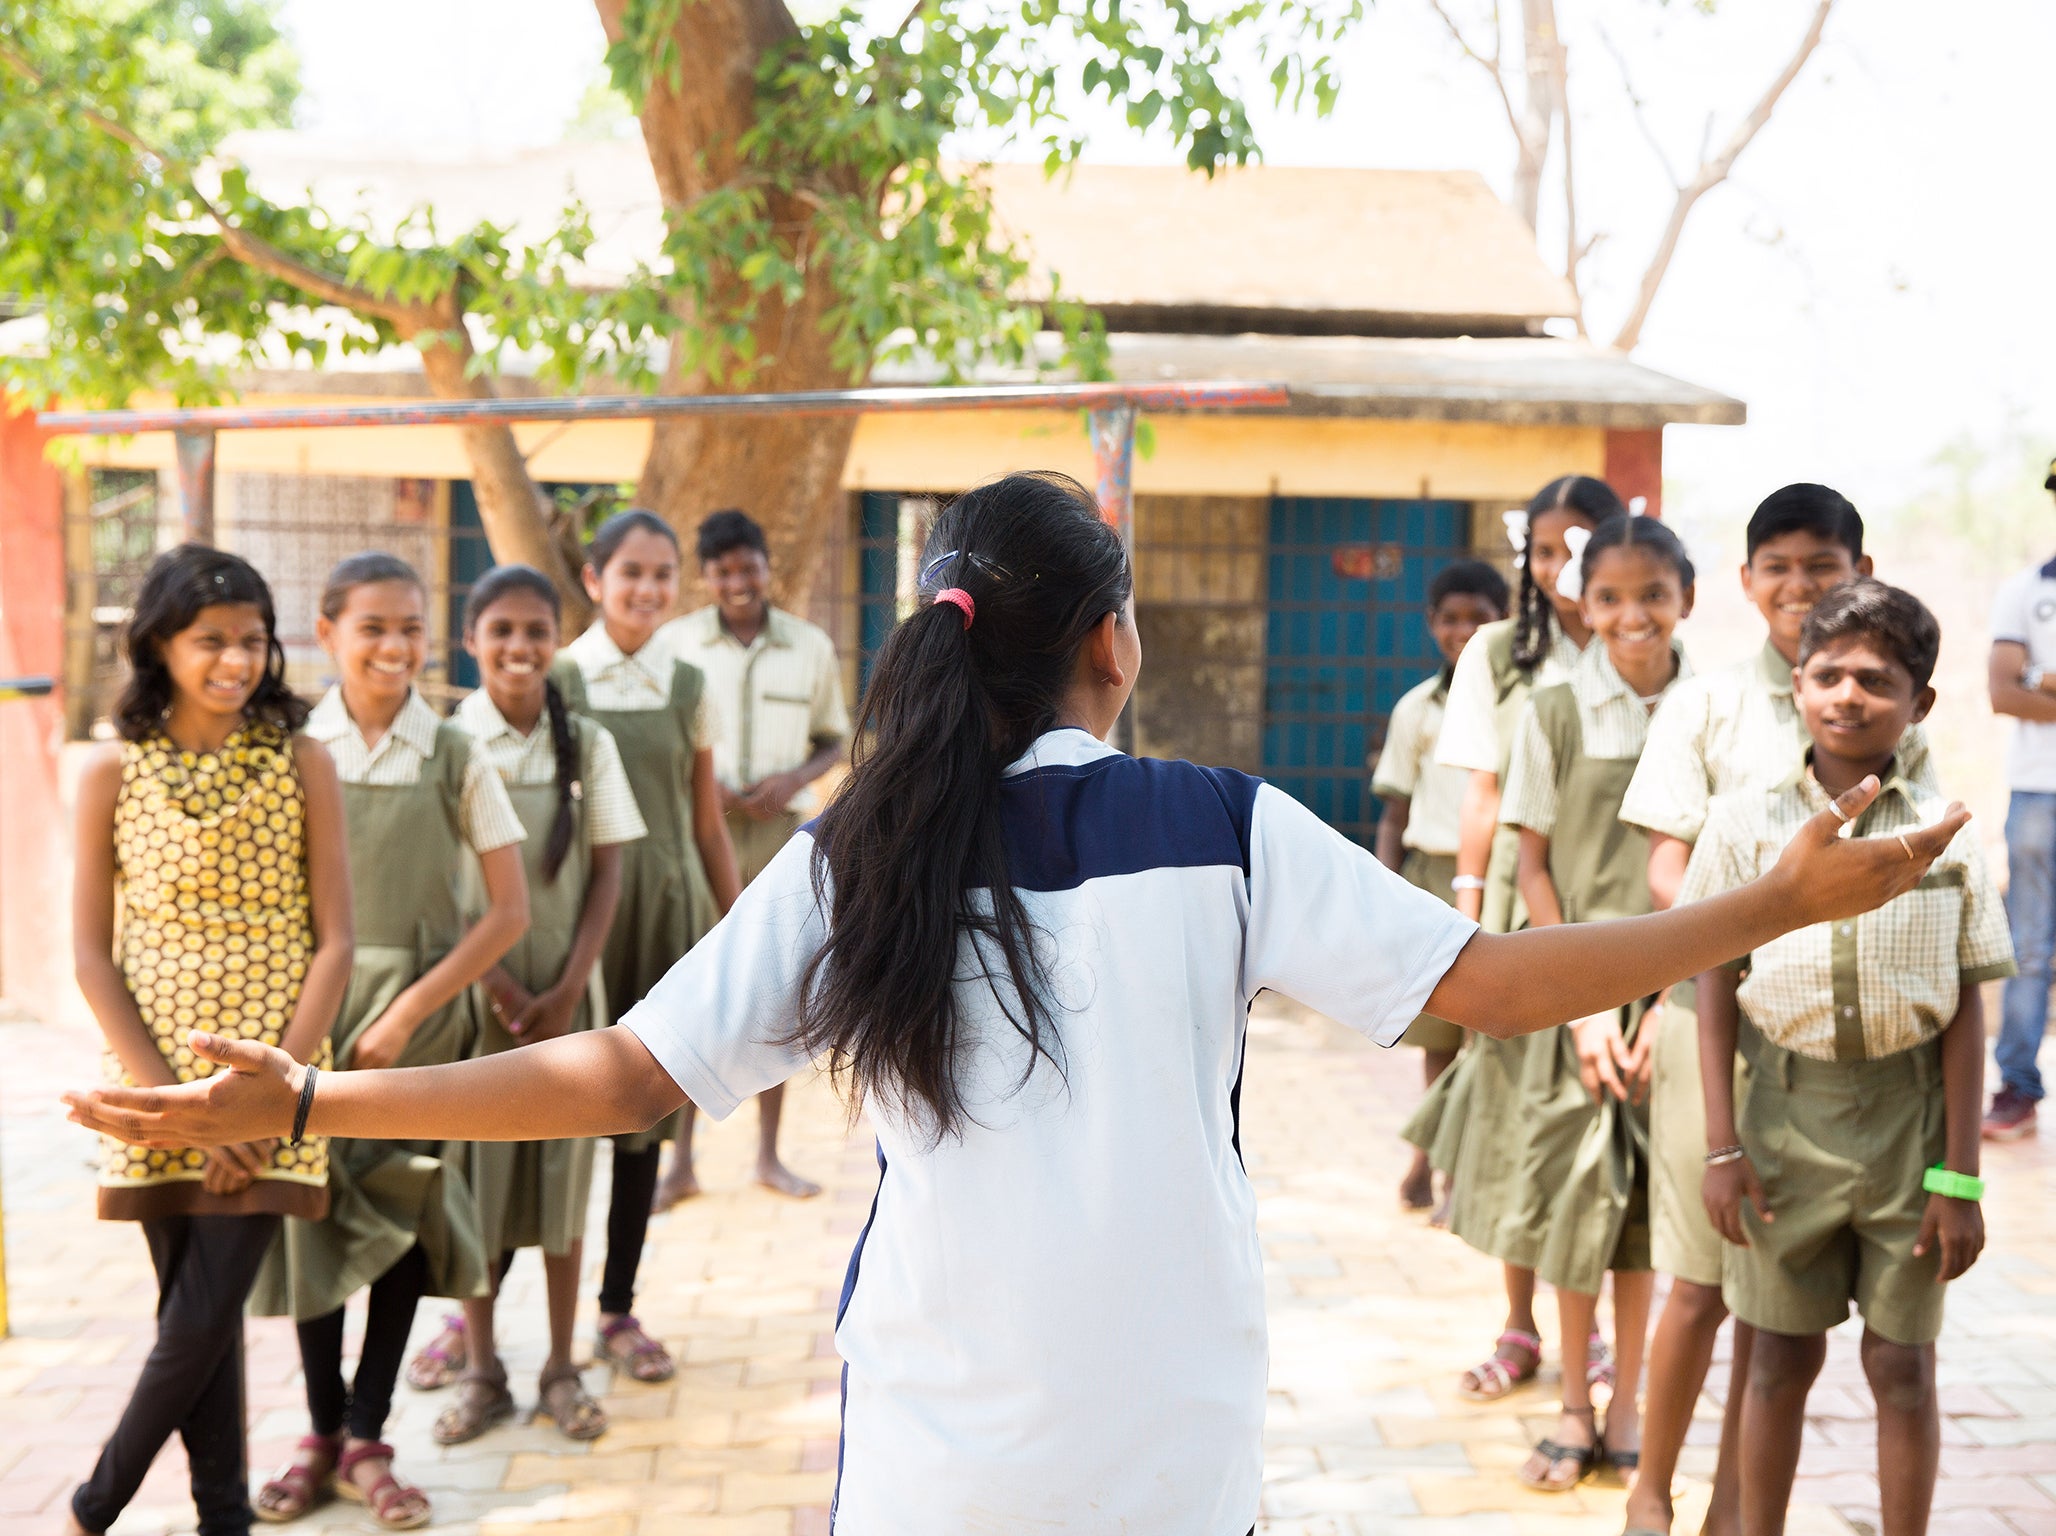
(395,1505)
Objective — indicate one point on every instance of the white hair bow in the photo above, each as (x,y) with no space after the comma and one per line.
(1517,534)
(1570,581)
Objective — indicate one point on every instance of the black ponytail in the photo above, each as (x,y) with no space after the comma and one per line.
(910,852)
(487,590)
(1534,615)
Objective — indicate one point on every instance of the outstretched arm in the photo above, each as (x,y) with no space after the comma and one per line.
(1516,983)
(599,1082)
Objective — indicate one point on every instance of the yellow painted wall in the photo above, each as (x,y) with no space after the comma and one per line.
(1194,455)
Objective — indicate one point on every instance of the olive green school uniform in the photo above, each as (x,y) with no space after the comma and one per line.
(1583,1185)
(1463,1120)
(407,854)
(667,905)
(533,1194)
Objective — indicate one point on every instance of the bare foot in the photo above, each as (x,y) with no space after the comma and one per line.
(1417,1189)
(678,1185)
(775,1175)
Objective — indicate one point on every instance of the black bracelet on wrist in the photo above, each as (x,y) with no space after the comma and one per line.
(306,1104)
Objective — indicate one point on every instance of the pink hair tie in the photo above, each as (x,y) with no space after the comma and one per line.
(962,599)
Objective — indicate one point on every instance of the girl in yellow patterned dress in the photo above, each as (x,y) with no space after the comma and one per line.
(213,892)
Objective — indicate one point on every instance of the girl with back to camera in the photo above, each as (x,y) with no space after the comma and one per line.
(418,798)
(1463,1119)
(1031,958)
(213,892)
(1585,1171)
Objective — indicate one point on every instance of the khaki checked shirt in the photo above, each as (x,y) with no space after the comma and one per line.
(1612,719)
(485,815)
(776,696)
(612,816)
(1470,717)
(1862,987)
(1723,731)
(1407,770)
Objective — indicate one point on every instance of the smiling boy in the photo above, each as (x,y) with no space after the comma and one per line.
(1850,1173)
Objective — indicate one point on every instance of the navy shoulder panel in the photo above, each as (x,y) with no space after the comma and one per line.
(1121,816)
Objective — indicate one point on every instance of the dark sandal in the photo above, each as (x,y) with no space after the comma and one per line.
(395,1505)
(439,1362)
(1497,1375)
(562,1399)
(482,1402)
(1581,1457)
(301,1483)
(644,1358)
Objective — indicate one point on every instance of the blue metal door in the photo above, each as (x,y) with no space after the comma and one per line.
(1346,634)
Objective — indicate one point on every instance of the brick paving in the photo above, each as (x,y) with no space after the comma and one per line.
(1373,1316)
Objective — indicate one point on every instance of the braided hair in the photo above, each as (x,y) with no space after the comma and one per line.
(487,590)
(1584,496)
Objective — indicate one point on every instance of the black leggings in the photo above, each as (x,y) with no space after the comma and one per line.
(362,1406)
(192,1381)
(628,1224)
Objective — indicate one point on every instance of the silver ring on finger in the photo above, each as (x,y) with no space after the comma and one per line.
(1907,846)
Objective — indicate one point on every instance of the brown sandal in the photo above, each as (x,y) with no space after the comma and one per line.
(395,1505)
(302,1482)
(562,1399)
(441,1360)
(642,1357)
(482,1401)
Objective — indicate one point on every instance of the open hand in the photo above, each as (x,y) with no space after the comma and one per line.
(384,1041)
(1958,1226)
(1822,875)
(1724,1188)
(251,1102)
(1602,1055)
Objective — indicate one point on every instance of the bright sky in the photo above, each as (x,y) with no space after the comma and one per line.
(1874,282)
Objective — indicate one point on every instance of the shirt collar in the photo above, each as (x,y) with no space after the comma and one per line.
(778,628)
(415,726)
(479,715)
(1891,782)
(596,652)
(1777,672)
(1068,746)
(1596,681)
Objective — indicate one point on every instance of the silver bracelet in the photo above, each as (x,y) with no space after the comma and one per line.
(1467,883)
(1721,1155)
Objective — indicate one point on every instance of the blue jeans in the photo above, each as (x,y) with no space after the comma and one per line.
(2031,910)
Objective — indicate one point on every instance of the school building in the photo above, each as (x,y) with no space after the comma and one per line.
(1281,556)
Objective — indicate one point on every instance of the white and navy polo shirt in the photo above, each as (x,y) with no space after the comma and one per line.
(1055,1322)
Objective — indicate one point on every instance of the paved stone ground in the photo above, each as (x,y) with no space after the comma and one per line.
(1373,1316)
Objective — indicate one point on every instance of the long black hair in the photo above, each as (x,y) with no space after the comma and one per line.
(911,847)
(179,583)
(1534,616)
(487,590)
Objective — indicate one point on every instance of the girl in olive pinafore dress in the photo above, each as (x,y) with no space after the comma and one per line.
(418,800)
(564,775)
(1466,1121)
(676,882)
(1583,1182)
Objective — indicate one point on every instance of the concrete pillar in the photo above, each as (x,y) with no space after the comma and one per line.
(1634,466)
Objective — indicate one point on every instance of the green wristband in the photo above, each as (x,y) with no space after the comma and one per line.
(1957,1186)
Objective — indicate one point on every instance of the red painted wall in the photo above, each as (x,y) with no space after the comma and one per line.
(1634,466)
(35,827)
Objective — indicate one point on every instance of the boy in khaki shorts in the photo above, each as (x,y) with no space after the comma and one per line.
(1851,1175)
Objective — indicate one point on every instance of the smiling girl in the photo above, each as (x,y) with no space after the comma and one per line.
(1585,1126)
(1460,1120)
(563,773)
(417,794)
(213,892)
(625,673)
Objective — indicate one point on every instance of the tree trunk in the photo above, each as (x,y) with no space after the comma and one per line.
(1539,106)
(785,471)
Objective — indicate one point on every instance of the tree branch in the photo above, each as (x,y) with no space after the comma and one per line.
(1490,65)
(1635,101)
(1711,173)
(252,250)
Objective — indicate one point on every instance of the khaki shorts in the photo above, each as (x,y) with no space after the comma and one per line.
(1682,1240)
(1841,1147)
(1432,872)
